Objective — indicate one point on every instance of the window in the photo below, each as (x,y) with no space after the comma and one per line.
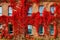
(41,30)
(0,11)
(41,9)
(51,29)
(52,9)
(10,11)
(0,26)
(30,11)
(10,28)
(30,29)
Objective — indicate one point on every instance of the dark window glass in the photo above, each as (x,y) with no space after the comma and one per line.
(41,29)
(0,28)
(51,29)
(10,28)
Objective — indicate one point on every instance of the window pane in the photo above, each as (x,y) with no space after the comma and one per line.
(52,9)
(41,14)
(10,28)
(0,11)
(10,14)
(29,29)
(41,30)
(30,11)
(51,29)
(41,8)
(0,26)
(10,11)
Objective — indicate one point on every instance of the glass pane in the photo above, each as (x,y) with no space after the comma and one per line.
(0,14)
(0,26)
(29,14)
(10,11)
(10,28)
(0,11)
(41,8)
(10,14)
(41,29)
(41,14)
(52,9)
(29,29)
(51,29)
(30,11)
(29,26)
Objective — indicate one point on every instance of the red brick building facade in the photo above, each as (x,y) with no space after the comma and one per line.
(29,20)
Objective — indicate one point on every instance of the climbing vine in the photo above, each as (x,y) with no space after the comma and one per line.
(20,19)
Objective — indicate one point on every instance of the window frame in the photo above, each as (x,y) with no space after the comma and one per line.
(42,29)
(1,28)
(10,14)
(30,14)
(50,29)
(30,29)
(52,13)
(9,29)
(2,10)
(39,9)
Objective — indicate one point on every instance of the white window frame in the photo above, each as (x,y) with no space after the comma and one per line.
(30,28)
(1,10)
(10,11)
